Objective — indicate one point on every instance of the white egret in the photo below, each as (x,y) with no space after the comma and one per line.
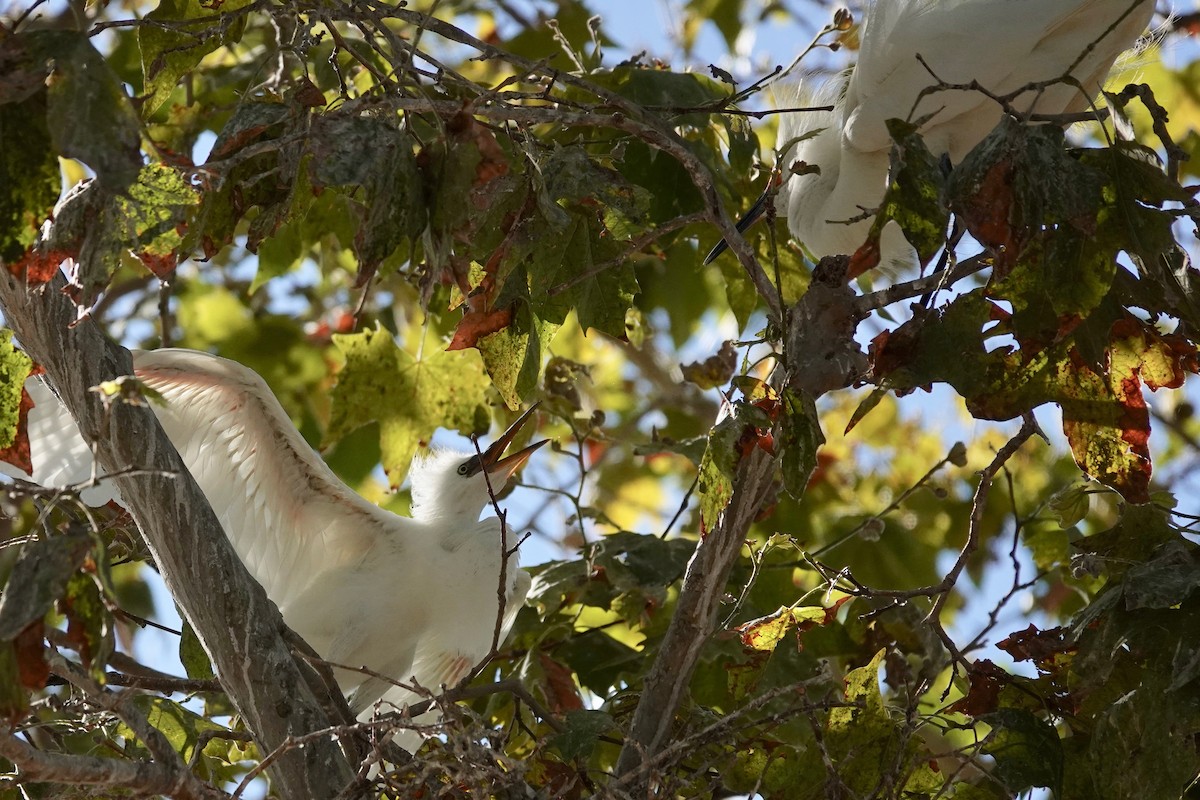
(1003,45)
(405,597)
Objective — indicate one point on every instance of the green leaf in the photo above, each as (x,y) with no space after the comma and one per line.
(765,633)
(14,369)
(89,623)
(409,398)
(39,577)
(1166,580)
(717,470)
(513,357)
(87,111)
(599,660)
(1027,750)
(583,729)
(29,173)
(178,35)
(373,154)
(102,227)
(799,440)
(181,727)
(193,656)
(1070,505)
(914,194)
(656,87)
(862,738)
(725,14)
(1105,417)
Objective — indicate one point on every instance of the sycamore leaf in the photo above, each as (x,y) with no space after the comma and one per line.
(30,649)
(1105,417)
(513,356)
(717,468)
(15,403)
(987,681)
(180,34)
(29,175)
(1027,750)
(583,729)
(800,438)
(374,155)
(714,371)
(39,578)
(181,726)
(410,398)
(89,623)
(98,227)
(14,701)
(913,200)
(87,111)
(193,656)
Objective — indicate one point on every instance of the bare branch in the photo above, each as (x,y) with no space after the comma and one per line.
(143,777)
(695,614)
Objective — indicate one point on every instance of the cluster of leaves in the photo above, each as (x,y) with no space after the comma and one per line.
(403,225)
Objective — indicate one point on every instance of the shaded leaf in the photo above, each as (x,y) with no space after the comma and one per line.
(39,577)
(89,623)
(193,656)
(583,728)
(1027,750)
(800,438)
(14,702)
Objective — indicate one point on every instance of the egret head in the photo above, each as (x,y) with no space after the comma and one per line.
(452,484)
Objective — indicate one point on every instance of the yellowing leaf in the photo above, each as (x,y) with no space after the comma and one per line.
(409,398)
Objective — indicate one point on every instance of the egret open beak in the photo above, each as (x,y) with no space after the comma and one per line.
(750,217)
(504,468)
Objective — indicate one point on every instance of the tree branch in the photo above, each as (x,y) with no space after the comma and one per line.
(239,627)
(695,614)
(143,777)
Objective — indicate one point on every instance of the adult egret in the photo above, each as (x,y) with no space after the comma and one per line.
(364,587)
(1003,45)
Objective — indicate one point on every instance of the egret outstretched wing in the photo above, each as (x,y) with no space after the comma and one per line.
(364,587)
(288,516)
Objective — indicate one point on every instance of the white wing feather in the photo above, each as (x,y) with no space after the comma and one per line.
(288,516)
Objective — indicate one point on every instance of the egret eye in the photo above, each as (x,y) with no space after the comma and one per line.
(464,468)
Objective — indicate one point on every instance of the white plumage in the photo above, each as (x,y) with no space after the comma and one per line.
(1003,44)
(403,596)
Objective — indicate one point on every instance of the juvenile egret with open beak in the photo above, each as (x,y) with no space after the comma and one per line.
(1002,45)
(363,586)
